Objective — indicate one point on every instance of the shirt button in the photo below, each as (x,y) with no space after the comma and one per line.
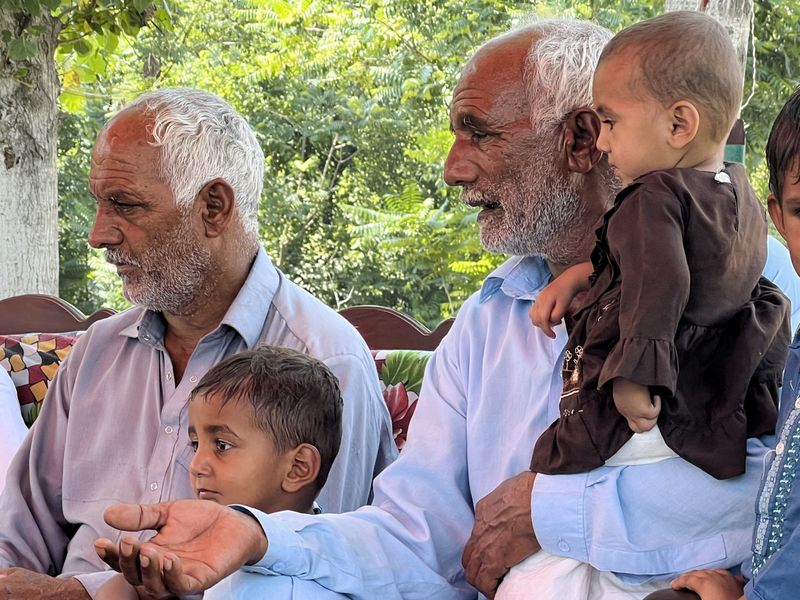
(168,429)
(193,379)
(563,545)
(153,486)
(797,403)
(169,376)
(779,448)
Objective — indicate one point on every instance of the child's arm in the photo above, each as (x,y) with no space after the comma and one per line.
(553,301)
(718,584)
(633,401)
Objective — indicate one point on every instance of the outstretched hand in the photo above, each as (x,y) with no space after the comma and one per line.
(197,544)
(716,584)
(503,534)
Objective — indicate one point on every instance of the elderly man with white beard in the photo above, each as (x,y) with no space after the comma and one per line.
(177,177)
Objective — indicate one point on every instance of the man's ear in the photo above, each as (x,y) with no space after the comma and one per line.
(776,214)
(684,123)
(580,133)
(217,205)
(303,470)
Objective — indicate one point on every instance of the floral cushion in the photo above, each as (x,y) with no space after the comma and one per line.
(32,361)
(400,373)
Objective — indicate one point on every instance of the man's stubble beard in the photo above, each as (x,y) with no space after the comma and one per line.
(175,274)
(541,214)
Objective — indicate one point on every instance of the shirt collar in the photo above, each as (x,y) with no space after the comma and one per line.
(246,314)
(520,277)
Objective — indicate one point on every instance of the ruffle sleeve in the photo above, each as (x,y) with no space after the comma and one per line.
(645,361)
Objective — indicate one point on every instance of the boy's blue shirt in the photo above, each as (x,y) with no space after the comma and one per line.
(774,573)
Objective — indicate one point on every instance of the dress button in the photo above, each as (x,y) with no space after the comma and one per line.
(780,448)
(168,429)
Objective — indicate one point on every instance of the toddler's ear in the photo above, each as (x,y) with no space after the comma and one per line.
(304,468)
(685,123)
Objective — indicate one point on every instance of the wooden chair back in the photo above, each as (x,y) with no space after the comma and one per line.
(382,328)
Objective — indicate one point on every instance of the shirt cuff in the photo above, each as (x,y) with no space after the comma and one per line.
(559,501)
(281,540)
(94,581)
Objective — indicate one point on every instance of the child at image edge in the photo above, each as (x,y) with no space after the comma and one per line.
(774,573)
(265,425)
(678,346)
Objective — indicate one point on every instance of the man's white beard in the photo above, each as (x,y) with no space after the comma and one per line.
(174,272)
(541,212)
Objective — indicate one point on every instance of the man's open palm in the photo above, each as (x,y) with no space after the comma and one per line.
(191,550)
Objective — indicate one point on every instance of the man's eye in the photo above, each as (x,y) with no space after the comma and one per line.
(608,122)
(193,445)
(477,136)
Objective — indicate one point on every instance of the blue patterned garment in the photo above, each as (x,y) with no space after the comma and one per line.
(776,539)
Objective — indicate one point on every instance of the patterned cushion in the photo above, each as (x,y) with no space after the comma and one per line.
(400,373)
(32,361)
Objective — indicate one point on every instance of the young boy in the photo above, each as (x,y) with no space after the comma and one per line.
(773,573)
(265,425)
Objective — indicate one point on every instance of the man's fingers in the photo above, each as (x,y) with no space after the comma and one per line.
(107,550)
(129,560)
(135,517)
(151,564)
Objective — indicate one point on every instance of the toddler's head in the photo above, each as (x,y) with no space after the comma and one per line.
(266,425)
(783,162)
(667,91)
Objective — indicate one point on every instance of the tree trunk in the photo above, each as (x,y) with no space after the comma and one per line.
(28,176)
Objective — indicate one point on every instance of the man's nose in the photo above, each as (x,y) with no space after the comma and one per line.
(458,169)
(104,232)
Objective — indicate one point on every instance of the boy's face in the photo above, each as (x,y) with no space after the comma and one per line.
(635,127)
(234,461)
(785,212)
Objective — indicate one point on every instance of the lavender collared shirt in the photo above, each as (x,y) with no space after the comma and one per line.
(113,426)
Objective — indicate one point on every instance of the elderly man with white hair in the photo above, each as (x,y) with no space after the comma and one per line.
(177,177)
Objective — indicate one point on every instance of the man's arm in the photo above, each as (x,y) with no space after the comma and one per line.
(641,521)
(21,584)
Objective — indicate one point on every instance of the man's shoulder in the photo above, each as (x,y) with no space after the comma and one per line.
(315,324)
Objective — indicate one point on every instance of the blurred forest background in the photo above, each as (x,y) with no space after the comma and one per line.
(350,102)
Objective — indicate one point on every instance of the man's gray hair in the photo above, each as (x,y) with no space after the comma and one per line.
(202,137)
(559,68)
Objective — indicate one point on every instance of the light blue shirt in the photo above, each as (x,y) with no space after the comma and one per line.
(779,270)
(773,573)
(489,391)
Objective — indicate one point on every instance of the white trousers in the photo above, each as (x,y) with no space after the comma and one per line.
(545,577)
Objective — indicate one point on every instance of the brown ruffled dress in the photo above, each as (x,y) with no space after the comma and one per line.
(677,304)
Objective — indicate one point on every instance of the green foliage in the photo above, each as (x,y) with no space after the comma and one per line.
(350,102)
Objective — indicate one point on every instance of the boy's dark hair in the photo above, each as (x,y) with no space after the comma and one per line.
(783,145)
(295,398)
(686,55)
